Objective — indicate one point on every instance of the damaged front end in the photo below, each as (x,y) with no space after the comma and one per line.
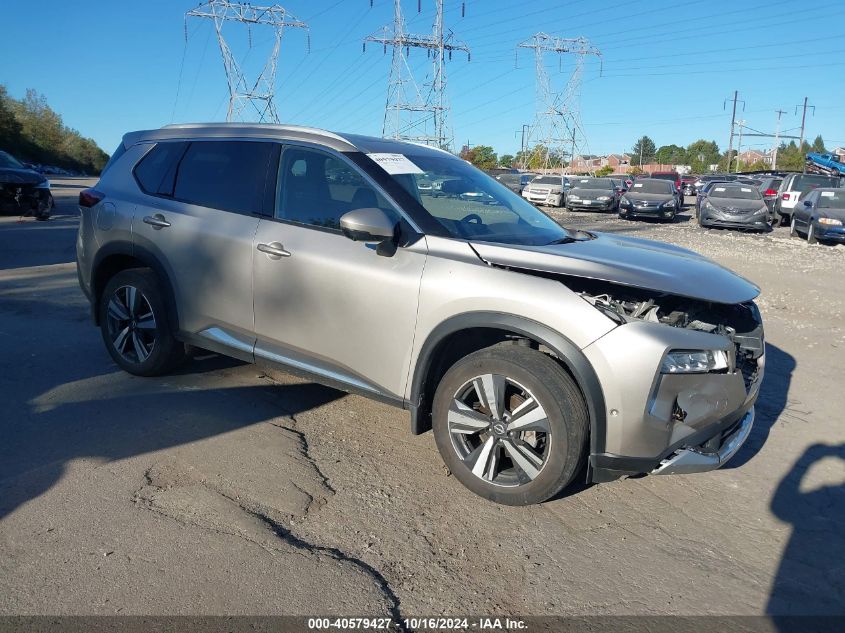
(681,376)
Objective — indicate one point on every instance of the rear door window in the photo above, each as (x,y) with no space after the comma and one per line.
(226,175)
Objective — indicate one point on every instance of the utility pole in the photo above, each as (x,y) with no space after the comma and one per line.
(558,114)
(260,93)
(410,112)
(733,123)
(525,127)
(739,145)
(803,120)
(777,140)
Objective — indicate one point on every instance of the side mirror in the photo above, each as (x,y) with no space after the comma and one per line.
(367,225)
(808,204)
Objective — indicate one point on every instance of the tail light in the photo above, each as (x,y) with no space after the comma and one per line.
(770,192)
(785,196)
(89,197)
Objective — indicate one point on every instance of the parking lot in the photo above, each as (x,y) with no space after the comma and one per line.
(224,490)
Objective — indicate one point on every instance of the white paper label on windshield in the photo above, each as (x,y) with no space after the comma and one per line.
(719,189)
(745,190)
(828,194)
(637,185)
(395,163)
(585,180)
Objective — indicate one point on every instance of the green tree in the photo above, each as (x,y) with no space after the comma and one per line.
(482,156)
(506,160)
(604,171)
(671,155)
(35,132)
(701,154)
(818,145)
(643,151)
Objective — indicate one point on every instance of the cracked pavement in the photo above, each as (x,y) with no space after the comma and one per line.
(227,489)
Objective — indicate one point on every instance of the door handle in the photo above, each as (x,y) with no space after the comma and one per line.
(274,250)
(156,221)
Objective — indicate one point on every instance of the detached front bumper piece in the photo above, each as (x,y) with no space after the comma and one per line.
(699,459)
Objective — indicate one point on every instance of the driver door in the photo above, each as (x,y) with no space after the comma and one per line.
(324,304)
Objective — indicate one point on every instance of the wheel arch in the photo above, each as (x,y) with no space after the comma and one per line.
(119,256)
(491,327)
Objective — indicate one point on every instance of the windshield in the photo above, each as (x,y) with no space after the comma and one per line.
(7,160)
(804,183)
(592,183)
(547,180)
(832,199)
(473,206)
(652,186)
(735,192)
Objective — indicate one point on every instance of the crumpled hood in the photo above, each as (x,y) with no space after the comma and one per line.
(633,196)
(628,261)
(19,176)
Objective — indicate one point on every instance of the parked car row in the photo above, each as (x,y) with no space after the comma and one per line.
(23,190)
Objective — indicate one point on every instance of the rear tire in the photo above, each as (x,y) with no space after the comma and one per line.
(134,324)
(526,447)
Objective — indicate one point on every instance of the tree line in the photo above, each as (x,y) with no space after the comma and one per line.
(32,131)
(699,155)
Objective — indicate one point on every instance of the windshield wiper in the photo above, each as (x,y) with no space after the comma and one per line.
(563,240)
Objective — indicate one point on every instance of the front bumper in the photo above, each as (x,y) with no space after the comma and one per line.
(831,233)
(646,212)
(19,198)
(652,419)
(592,205)
(699,459)
(757,221)
(547,199)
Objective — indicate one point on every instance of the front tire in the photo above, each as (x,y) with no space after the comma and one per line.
(134,324)
(510,424)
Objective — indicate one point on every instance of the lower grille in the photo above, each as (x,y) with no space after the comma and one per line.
(748,367)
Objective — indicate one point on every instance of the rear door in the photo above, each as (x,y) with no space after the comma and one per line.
(323,303)
(200,223)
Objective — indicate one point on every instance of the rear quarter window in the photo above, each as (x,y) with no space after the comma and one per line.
(156,170)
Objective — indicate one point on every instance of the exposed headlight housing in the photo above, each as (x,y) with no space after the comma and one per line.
(694,361)
(624,202)
(669,205)
(830,221)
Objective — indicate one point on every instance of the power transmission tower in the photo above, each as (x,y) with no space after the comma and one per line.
(259,94)
(736,100)
(558,114)
(412,112)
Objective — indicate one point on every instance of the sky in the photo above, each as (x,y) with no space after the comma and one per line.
(666,70)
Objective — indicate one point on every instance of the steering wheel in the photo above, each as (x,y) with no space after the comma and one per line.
(472,217)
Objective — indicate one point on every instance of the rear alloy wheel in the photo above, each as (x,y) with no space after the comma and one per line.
(510,424)
(134,325)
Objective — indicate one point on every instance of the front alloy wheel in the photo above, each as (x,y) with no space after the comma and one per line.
(499,430)
(510,424)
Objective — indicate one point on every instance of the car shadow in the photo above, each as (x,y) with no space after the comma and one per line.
(810,579)
(115,416)
(772,401)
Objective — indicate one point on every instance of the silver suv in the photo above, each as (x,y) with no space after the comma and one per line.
(534,352)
